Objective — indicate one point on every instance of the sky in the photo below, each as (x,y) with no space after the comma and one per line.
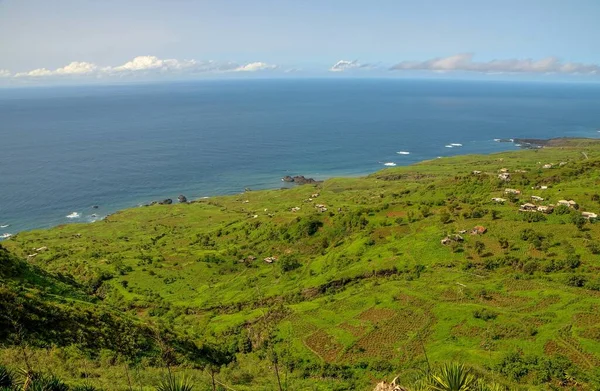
(43,41)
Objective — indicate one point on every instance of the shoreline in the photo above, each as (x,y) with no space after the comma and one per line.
(522,143)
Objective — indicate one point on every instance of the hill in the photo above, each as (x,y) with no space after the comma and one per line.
(332,285)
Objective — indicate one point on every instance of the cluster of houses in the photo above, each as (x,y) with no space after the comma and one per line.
(477,230)
(321,208)
(37,251)
(532,207)
(252,258)
(551,165)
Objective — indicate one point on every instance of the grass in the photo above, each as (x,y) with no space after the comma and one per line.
(375,290)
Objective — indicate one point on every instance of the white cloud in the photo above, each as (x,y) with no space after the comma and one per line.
(255,66)
(145,65)
(4,73)
(77,68)
(465,62)
(345,65)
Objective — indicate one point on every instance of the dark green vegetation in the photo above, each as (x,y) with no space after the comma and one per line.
(359,292)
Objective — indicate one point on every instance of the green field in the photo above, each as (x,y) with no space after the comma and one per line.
(360,292)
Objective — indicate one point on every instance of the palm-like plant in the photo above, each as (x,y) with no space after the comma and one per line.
(453,377)
(85,387)
(6,378)
(170,383)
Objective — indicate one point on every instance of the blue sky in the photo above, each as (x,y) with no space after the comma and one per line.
(101,38)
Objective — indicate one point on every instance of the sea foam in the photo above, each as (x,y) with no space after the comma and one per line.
(389,164)
(403,153)
(73,215)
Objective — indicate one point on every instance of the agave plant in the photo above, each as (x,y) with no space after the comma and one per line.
(453,377)
(483,385)
(6,378)
(170,383)
(47,383)
(85,387)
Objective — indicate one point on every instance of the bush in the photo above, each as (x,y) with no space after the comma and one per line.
(530,267)
(576,281)
(515,365)
(485,314)
(288,263)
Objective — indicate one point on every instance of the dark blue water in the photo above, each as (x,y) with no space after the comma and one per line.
(65,149)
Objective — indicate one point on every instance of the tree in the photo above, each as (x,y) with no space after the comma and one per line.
(579,221)
(445,217)
(479,247)
(214,358)
(503,243)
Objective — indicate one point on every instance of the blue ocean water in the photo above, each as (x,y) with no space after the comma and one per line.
(64,149)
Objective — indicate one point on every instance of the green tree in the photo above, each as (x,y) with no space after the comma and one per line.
(579,221)
(479,247)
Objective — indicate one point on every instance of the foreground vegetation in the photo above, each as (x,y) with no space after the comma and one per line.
(361,288)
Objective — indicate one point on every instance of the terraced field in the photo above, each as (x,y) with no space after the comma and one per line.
(362,291)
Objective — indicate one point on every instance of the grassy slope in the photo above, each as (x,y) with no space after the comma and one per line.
(374,281)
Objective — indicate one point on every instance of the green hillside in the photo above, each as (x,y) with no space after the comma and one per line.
(361,287)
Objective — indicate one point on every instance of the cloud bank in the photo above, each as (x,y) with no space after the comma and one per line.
(143,65)
(465,62)
(345,65)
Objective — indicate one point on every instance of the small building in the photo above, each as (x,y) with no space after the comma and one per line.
(536,198)
(528,207)
(543,187)
(512,191)
(548,165)
(504,170)
(270,259)
(505,176)
(476,172)
(569,203)
(499,200)
(295,209)
(314,195)
(545,209)
(478,230)
(589,215)
(449,239)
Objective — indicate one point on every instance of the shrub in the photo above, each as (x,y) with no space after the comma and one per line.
(288,263)
(485,314)
(575,280)
(530,267)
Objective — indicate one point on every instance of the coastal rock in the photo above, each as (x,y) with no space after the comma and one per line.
(168,201)
(182,198)
(95,207)
(298,179)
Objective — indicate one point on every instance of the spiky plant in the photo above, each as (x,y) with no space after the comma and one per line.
(33,381)
(6,378)
(171,383)
(85,387)
(453,377)
(483,385)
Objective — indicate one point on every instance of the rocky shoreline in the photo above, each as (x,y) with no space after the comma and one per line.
(299,179)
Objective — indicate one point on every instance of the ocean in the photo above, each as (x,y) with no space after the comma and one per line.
(66,149)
